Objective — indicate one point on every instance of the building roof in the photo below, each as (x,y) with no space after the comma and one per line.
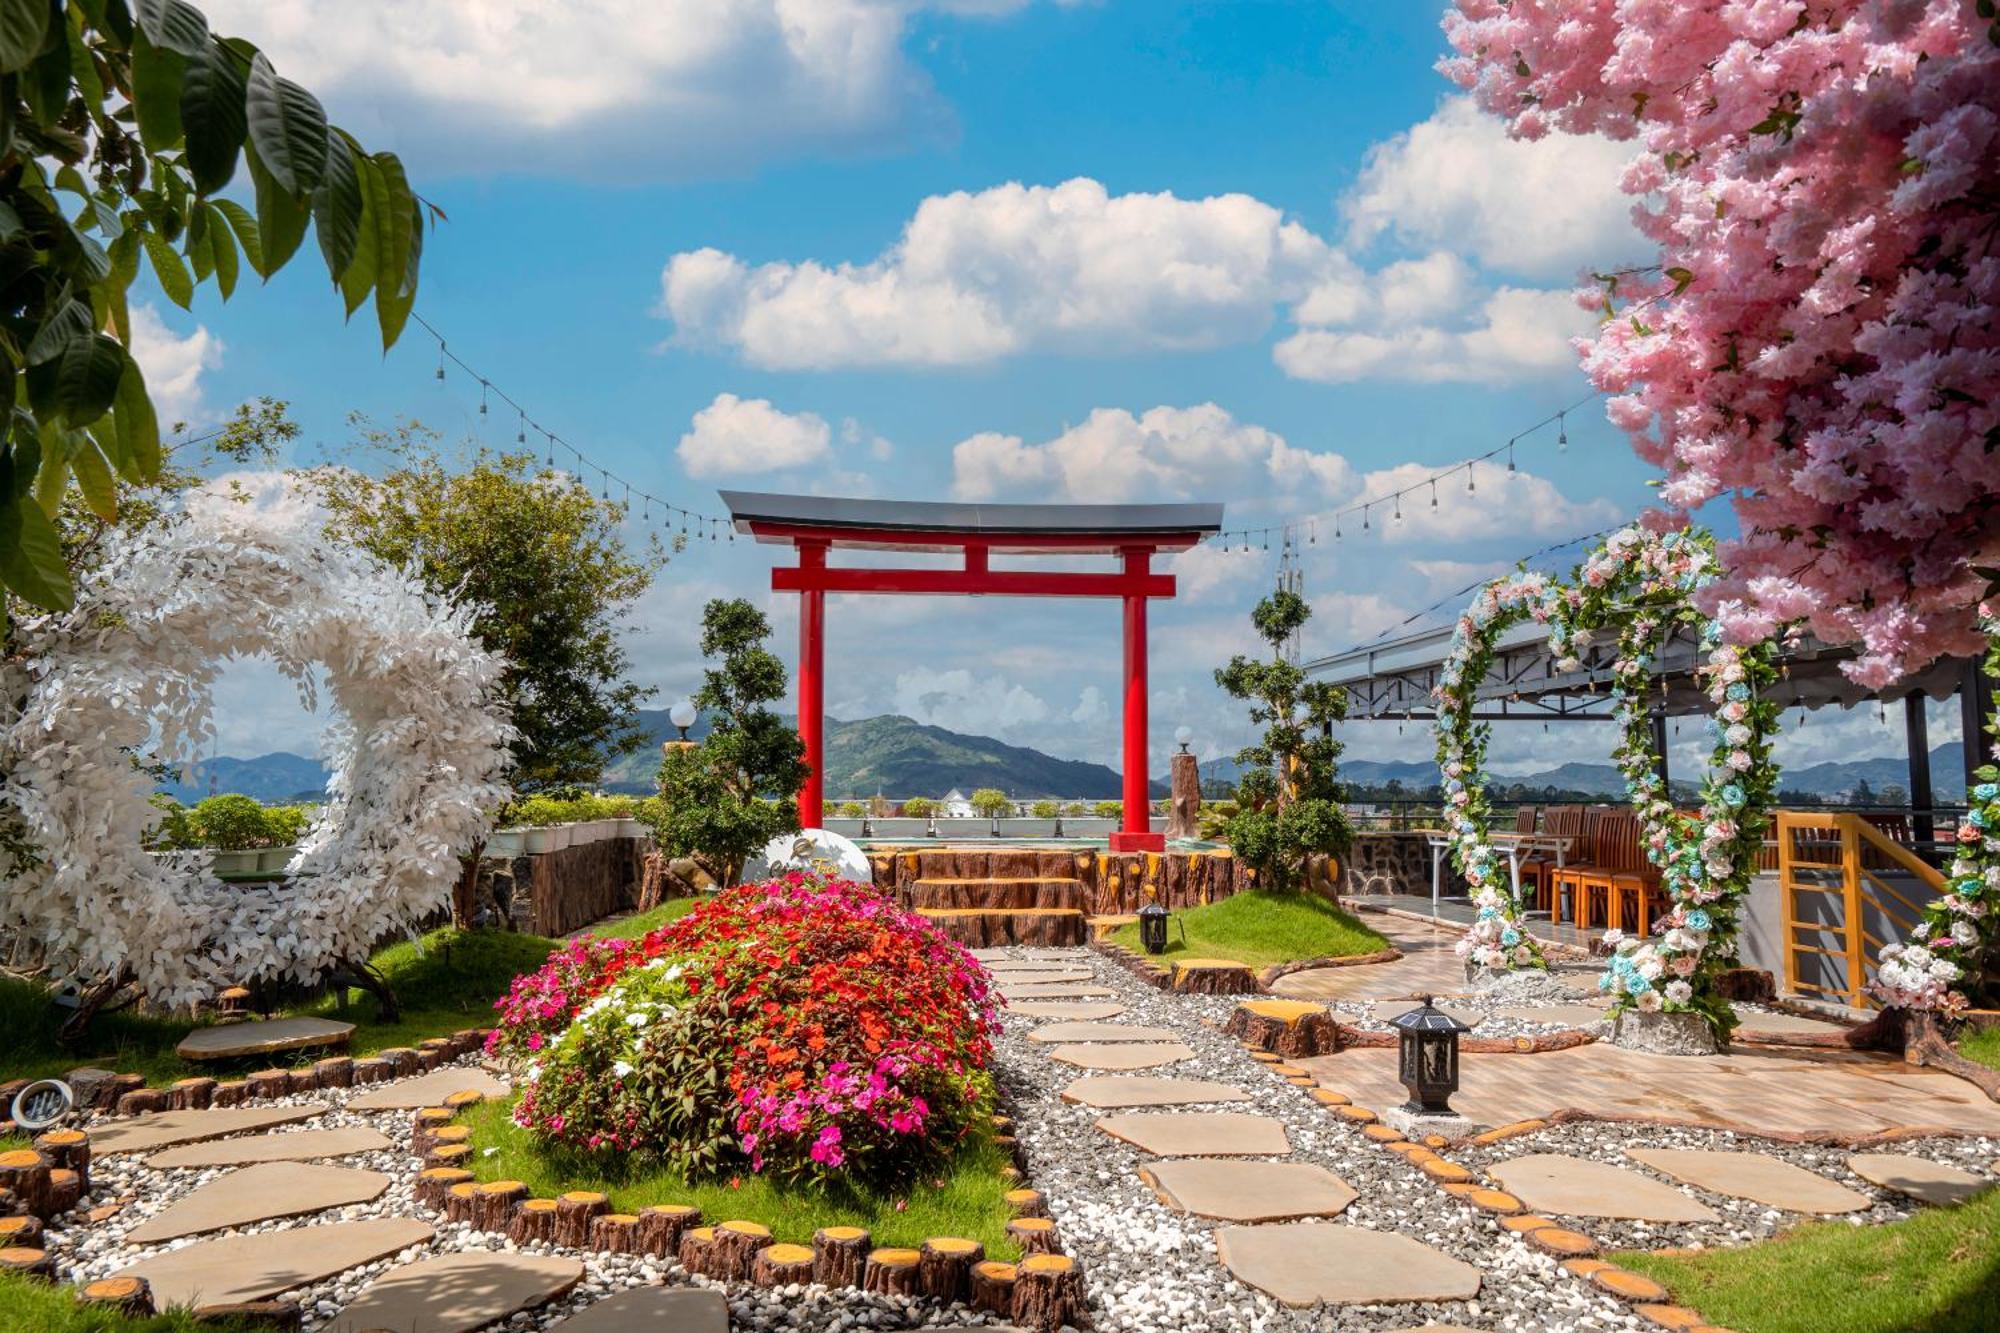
(929,525)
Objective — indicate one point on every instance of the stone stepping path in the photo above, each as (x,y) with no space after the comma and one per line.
(1061,990)
(258,1194)
(410,1094)
(1059,1033)
(1248,1191)
(258,1266)
(1753,1176)
(1919,1177)
(164,1129)
(300,1146)
(1110,1055)
(1310,1263)
(1200,1134)
(458,1293)
(235,1041)
(1578,1187)
(1758,1021)
(1079,1010)
(652,1310)
(1111,1094)
(1565,1015)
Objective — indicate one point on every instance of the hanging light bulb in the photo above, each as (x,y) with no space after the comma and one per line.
(1267,539)
(1470,480)
(1562,433)
(521,431)
(1510,455)
(551,440)
(440,372)
(1434,493)
(1399,506)
(1312,535)
(483,387)
(1364,518)
(1336,527)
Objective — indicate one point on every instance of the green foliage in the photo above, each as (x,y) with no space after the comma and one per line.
(1108,809)
(1260,928)
(119,124)
(230,822)
(919,807)
(737,789)
(1045,809)
(851,810)
(1290,792)
(52,1307)
(542,560)
(991,803)
(541,811)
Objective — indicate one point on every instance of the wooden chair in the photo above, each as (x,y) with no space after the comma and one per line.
(1525,818)
(1635,880)
(1611,844)
(1582,869)
(1558,821)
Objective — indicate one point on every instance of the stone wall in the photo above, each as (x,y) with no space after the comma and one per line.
(554,893)
(1393,862)
(1113,883)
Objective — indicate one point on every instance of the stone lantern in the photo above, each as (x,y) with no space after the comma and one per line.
(1427,1040)
(1153,927)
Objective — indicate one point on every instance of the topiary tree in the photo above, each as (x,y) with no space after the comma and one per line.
(991,803)
(1109,809)
(851,810)
(919,807)
(1045,809)
(738,789)
(1290,791)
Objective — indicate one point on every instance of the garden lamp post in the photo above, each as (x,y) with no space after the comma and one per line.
(1153,927)
(1182,735)
(1427,1041)
(683,715)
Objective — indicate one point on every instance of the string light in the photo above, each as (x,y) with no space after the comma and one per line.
(1471,482)
(1434,494)
(1562,433)
(484,387)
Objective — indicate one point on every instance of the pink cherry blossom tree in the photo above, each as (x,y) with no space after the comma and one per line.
(1821,336)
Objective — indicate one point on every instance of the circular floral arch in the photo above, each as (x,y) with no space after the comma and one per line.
(417,748)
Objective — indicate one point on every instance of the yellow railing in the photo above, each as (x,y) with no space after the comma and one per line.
(1843,883)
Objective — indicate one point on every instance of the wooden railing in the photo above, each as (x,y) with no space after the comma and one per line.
(1845,888)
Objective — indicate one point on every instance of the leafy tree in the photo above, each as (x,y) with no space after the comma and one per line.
(120,125)
(991,803)
(738,788)
(1045,809)
(1108,809)
(542,560)
(851,810)
(919,807)
(1290,793)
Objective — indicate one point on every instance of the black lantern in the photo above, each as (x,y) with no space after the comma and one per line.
(1153,927)
(1428,1041)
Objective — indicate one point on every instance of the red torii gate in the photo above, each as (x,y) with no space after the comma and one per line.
(815,526)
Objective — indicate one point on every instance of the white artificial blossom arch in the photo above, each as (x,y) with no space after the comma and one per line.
(417,752)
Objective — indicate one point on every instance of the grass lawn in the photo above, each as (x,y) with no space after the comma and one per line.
(969,1201)
(1938,1271)
(48,1308)
(1982,1045)
(1260,928)
(446,981)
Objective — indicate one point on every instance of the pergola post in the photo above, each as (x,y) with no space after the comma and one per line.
(1916,734)
(1975,702)
(1135,832)
(812,687)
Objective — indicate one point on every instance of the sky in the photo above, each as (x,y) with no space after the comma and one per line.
(1255,252)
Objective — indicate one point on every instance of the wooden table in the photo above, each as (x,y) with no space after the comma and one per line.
(1513,844)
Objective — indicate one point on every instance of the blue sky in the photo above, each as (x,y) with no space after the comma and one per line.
(1255,252)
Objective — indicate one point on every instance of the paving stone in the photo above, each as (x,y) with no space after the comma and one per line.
(1753,1176)
(1110,1094)
(1575,1187)
(1200,1133)
(163,1129)
(1100,1032)
(1248,1191)
(1567,1015)
(457,1293)
(238,1040)
(258,1194)
(1060,990)
(1755,1021)
(261,1264)
(300,1146)
(1436,1328)
(652,1310)
(1308,1263)
(408,1094)
(1078,1010)
(1028,974)
(1133,1055)
(1388,1009)
(1919,1177)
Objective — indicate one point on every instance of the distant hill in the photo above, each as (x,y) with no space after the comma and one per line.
(279,776)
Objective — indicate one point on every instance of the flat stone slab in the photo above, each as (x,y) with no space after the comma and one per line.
(409,1094)
(1132,1055)
(1565,1015)
(258,1194)
(1100,1032)
(163,1129)
(300,1146)
(1313,1263)
(1753,1176)
(257,1266)
(652,1310)
(1059,990)
(1112,1094)
(1248,1191)
(1384,1010)
(457,1293)
(240,1040)
(1919,1177)
(1009,973)
(1200,1133)
(1578,1187)
(1079,1010)
(1758,1020)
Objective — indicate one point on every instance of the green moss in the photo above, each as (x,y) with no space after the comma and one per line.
(26,1305)
(967,1201)
(1261,928)
(1938,1271)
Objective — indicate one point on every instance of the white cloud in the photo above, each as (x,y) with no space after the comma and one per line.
(1514,332)
(732,436)
(1512,504)
(961,701)
(609,88)
(173,364)
(1543,208)
(1202,572)
(263,498)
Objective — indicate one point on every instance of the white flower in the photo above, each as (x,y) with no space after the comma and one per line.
(1650,968)
(638,1018)
(1964,932)
(1523,955)
(1739,760)
(620,1068)
(1613,936)
(1944,970)
(1648,1001)
(1679,992)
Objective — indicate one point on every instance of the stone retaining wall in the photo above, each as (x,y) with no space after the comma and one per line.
(554,893)
(1393,862)
(1113,883)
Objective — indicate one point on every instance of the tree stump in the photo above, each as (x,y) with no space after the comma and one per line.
(142,1102)
(840,1255)
(370,1070)
(68,1149)
(1035,1235)
(265,1316)
(459,1201)
(336,1071)
(267,1084)
(424,1126)
(736,1246)
(24,1261)
(661,1225)
(461,1100)
(574,1211)
(534,1220)
(402,1061)
(434,1182)
(468,1041)
(126,1295)
(993,1287)
(191,1094)
(22,1232)
(615,1233)
(449,1154)
(301,1080)
(1291,1028)
(26,1173)
(696,1245)
(119,1085)
(232,1093)
(1048,1293)
(782,1265)
(1027,1203)
(434,1051)
(495,1201)
(893,1272)
(944,1271)
(65,1190)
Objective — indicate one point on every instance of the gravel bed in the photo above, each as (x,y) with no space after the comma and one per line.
(1150,1269)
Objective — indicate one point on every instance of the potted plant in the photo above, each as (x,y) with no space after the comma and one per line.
(235,826)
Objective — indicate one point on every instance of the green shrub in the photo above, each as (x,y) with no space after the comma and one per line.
(1108,809)
(851,810)
(285,824)
(991,803)
(919,807)
(1045,809)
(176,831)
(231,823)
